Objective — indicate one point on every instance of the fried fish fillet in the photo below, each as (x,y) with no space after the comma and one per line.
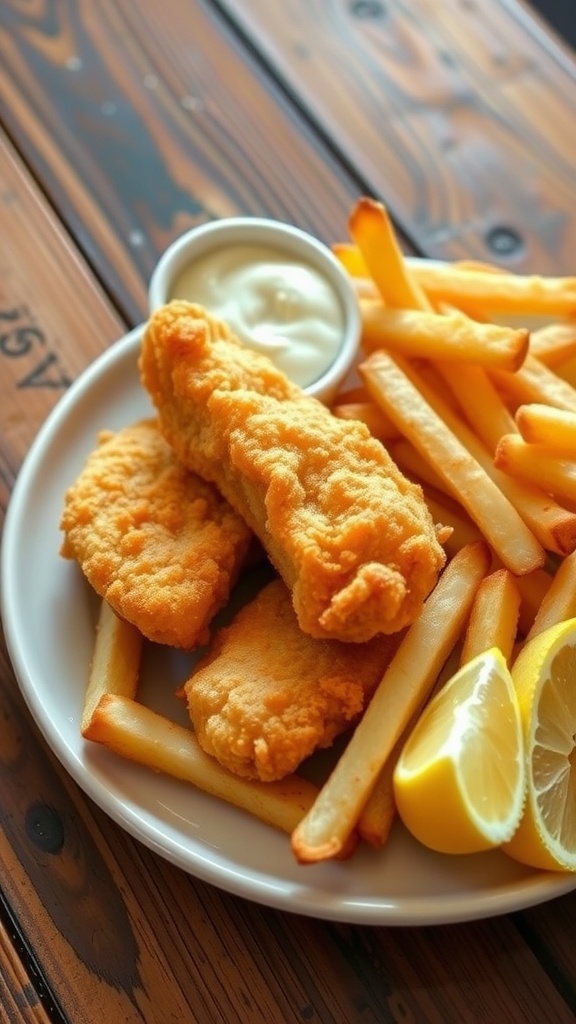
(266,695)
(153,539)
(351,537)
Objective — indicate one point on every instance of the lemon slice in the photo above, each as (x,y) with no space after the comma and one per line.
(544,675)
(459,781)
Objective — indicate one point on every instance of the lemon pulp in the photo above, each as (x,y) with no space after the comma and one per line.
(459,781)
(545,678)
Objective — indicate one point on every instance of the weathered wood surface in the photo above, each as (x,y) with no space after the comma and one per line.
(143,119)
(124,123)
(456,114)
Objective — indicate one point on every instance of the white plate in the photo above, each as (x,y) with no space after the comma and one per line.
(49,613)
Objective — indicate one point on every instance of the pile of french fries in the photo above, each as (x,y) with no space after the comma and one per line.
(483,416)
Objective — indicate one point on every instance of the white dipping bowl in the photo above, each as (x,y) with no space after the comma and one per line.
(297,246)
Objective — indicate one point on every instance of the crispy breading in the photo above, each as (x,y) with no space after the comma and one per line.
(153,539)
(351,537)
(266,695)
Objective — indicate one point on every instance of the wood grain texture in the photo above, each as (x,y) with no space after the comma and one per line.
(19,997)
(128,122)
(54,319)
(144,119)
(455,113)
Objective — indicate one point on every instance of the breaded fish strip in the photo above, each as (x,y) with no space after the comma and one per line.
(157,542)
(267,695)
(351,537)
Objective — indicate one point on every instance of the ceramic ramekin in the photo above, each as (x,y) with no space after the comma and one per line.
(297,245)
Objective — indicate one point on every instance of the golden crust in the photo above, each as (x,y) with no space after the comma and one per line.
(351,537)
(152,538)
(267,695)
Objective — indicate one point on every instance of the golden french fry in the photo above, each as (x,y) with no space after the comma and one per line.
(495,292)
(554,471)
(489,268)
(534,382)
(544,424)
(401,693)
(446,511)
(559,601)
(135,732)
(413,464)
(554,343)
(365,288)
(351,259)
(552,524)
(389,382)
(469,309)
(380,811)
(494,617)
(567,371)
(436,390)
(357,393)
(115,663)
(378,423)
(452,337)
(533,588)
(373,233)
(443,508)
(480,402)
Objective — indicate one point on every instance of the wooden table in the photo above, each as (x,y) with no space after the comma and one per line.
(122,124)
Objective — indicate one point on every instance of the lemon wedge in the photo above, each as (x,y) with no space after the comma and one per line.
(460,779)
(544,675)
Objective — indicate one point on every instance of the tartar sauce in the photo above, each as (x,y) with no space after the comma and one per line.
(273,304)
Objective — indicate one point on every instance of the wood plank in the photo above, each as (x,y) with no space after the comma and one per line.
(19,997)
(549,931)
(142,120)
(462,128)
(429,974)
(54,318)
